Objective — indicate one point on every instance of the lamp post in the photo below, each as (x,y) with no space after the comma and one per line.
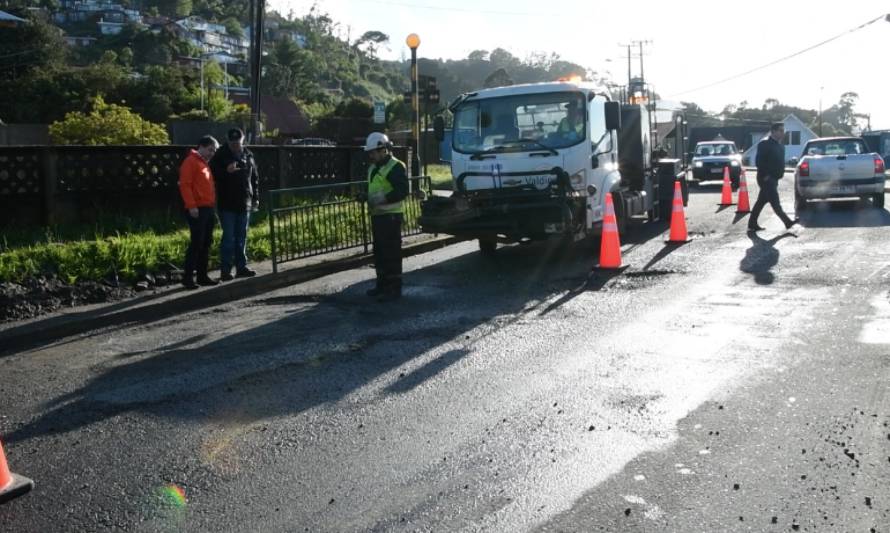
(413,41)
(820,111)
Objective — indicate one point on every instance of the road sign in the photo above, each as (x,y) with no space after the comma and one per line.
(379,112)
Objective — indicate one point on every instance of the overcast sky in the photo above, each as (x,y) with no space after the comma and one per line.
(693,43)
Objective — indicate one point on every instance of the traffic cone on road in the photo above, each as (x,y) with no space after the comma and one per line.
(678,217)
(11,485)
(610,244)
(727,189)
(744,202)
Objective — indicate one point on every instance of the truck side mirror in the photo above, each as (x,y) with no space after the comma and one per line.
(439,128)
(594,161)
(613,116)
(794,161)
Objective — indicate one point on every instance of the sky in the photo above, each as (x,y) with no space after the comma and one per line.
(690,44)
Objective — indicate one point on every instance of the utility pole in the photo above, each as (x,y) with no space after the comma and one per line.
(640,44)
(257,11)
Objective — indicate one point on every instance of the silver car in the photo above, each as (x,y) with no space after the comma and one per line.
(838,167)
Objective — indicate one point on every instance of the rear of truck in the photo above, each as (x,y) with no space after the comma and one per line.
(840,167)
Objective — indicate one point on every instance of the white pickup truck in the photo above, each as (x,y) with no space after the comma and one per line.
(838,167)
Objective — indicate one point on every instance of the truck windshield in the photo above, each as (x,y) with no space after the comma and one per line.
(520,123)
(705,150)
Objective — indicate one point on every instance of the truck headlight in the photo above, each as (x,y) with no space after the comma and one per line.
(577,180)
(734,163)
(698,164)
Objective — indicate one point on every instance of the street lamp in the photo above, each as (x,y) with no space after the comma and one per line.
(413,41)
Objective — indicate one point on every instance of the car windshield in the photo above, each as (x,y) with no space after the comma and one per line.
(520,123)
(837,147)
(705,150)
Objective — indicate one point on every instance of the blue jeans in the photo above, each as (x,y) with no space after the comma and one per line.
(233,247)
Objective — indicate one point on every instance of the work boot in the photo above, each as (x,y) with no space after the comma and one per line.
(207,281)
(245,273)
(226,276)
(792,223)
(373,293)
(189,282)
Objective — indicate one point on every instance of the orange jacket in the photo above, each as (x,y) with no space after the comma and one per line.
(196,182)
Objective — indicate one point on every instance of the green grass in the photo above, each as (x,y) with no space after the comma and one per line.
(130,247)
(126,253)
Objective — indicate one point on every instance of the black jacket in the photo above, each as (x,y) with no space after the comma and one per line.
(770,159)
(235,191)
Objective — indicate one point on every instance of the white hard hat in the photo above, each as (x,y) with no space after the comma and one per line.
(377,140)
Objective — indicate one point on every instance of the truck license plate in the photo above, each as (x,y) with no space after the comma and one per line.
(845,189)
(716,171)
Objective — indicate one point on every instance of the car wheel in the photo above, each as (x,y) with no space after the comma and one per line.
(878,200)
(800,203)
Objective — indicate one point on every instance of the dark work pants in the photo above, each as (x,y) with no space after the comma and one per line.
(387,233)
(769,194)
(197,256)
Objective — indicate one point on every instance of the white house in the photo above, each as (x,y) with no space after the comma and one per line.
(797,134)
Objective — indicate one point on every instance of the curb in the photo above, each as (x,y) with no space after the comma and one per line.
(33,335)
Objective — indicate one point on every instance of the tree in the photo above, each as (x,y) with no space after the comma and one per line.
(106,124)
(498,78)
(233,27)
(33,46)
(846,113)
(372,41)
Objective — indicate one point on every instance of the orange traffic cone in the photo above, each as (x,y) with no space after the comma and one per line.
(610,245)
(678,217)
(11,485)
(727,189)
(744,202)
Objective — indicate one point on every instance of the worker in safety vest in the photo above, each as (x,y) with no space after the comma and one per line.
(387,188)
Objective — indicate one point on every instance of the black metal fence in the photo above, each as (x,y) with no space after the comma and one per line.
(314,220)
(82,184)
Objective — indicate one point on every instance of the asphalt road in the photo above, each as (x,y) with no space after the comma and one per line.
(734,383)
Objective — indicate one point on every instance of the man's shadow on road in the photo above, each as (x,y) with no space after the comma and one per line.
(761,257)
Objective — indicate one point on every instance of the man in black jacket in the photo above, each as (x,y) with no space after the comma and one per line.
(237,195)
(770,169)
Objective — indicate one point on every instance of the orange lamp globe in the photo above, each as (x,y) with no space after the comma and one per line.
(413,41)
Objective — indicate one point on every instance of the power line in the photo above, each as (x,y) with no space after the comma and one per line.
(462,9)
(813,47)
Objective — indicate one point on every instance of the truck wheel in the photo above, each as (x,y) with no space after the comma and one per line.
(620,214)
(488,247)
(878,200)
(800,203)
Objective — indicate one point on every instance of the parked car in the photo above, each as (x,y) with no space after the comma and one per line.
(711,157)
(838,167)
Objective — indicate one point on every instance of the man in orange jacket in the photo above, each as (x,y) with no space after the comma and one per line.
(199,197)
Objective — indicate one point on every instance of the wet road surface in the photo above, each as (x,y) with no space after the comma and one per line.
(734,383)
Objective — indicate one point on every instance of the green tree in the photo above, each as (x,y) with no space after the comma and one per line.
(33,46)
(106,124)
(233,27)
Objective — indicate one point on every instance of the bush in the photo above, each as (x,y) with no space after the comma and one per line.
(107,124)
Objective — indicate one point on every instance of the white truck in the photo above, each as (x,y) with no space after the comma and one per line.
(533,162)
(838,167)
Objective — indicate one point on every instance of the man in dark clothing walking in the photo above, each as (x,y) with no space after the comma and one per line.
(387,187)
(237,191)
(770,169)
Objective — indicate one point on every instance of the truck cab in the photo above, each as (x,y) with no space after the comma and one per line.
(530,162)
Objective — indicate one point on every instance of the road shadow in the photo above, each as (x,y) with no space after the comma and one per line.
(761,257)
(843,214)
(322,347)
(669,248)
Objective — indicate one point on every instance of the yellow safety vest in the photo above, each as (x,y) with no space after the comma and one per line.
(378,181)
